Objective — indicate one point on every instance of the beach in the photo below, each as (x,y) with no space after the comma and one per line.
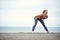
(30,36)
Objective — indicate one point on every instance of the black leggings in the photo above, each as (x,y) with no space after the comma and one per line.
(42,22)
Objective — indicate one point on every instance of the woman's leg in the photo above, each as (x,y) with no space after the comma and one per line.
(42,22)
(34,25)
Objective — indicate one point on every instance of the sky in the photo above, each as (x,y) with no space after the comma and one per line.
(21,12)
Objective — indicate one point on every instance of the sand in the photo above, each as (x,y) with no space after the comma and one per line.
(30,36)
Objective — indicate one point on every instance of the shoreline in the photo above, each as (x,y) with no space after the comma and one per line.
(29,32)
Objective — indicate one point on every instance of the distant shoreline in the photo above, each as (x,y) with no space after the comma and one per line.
(28,32)
(27,29)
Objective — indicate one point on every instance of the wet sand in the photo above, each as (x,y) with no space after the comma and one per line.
(29,36)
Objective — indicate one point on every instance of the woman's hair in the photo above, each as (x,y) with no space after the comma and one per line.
(44,11)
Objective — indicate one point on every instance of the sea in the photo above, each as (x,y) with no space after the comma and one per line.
(28,29)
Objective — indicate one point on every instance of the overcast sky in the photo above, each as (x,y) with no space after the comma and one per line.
(21,12)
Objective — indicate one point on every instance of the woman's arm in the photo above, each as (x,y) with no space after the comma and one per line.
(35,17)
(46,16)
(38,16)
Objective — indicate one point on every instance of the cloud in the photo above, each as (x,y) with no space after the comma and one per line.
(22,12)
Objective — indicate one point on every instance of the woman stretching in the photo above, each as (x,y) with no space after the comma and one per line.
(41,18)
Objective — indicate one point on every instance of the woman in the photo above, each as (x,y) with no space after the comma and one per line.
(40,18)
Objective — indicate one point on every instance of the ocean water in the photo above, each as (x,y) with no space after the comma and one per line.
(28,29)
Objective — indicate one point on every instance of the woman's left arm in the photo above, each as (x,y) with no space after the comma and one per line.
(46,16)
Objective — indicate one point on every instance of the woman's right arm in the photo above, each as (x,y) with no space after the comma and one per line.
(35,17)
(38,16)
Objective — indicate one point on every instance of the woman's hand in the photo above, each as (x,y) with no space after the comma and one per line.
(35,18)
(46,16)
